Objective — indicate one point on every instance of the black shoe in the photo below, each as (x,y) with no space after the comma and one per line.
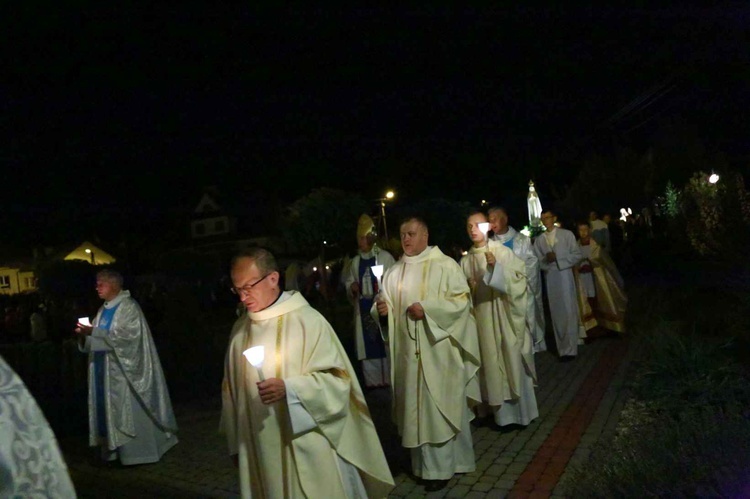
(435,485)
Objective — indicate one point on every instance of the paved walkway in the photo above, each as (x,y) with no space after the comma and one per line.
(579,404)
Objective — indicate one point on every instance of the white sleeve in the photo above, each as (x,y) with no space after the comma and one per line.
(302,421)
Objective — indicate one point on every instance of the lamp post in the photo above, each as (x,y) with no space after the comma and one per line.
(388,196)
(93,259)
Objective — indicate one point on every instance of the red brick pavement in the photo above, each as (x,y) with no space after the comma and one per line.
(541,475)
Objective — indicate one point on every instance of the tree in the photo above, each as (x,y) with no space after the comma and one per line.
(325,214)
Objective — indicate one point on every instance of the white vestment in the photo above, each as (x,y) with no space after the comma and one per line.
(318,442)
(561,287)
(376,371)
(31,464)
(140,423)
(434,362)
(535,316)
(500,293)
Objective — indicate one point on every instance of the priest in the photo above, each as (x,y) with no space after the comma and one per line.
(521,246)
(497,278)
(425,311)
(361,287)
(297,424)
(558,253)
(130,412)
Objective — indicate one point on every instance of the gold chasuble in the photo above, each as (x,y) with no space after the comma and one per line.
(434,361)
(500,296)
(611,302)
(302,349)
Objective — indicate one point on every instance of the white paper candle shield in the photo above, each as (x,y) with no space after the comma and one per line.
(255,356)
(484,228)
(84,320)
(377,271)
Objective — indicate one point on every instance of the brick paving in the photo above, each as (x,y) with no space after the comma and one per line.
(579,404)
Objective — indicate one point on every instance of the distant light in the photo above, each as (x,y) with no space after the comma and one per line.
(630,212)
(87,250)
(484,202)
(464,253)
(327,267)
(390,195)
(315,269)
(624,214)
(325,242)
(713,178)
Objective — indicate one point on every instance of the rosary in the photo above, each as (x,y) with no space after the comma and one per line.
(414,338)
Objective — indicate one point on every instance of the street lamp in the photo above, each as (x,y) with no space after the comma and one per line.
(713,178)
(388,197)
(88,250)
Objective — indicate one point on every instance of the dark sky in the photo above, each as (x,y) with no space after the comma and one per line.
(120,115)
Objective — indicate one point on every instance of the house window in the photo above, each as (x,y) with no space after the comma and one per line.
(219,226)
(4,281)
(29,282)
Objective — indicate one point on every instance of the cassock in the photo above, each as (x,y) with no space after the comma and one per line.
(561,287)
(604,285)
(31,464)
(320,441)
(368,341)
(130,412)
(434,362)
(500,294)
(521,246)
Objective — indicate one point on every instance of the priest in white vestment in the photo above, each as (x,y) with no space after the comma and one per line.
(425,308)
(361,288)
(130,412)
(497,278)
(297,424)
(521,246)
(31,464)
(558,253)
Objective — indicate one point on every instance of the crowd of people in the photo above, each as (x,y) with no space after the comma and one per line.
(452,341)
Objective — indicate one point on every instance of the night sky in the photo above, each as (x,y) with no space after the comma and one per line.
(120,116)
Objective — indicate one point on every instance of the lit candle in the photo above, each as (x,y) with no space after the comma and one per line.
(254,356)
(377,271)
(484,228)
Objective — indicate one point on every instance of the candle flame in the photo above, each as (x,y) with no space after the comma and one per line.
(255,355)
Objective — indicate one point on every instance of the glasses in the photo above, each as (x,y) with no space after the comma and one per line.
(245,290)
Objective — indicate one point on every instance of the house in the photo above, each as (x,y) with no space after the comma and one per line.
(89,252)
(17,277)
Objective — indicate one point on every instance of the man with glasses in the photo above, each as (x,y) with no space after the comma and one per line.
(296,421)
(130,412)
(558,253)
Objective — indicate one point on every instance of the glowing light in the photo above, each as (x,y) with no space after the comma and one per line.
(464,253)
(315,269)
(255,356)
(713,178)
(390,195)
(624,214)
(377,271)
(328,268)
(484,228)
(87,250)
(526,232)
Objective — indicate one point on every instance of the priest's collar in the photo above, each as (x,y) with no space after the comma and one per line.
(366,255)
(427,254)
(117,299)
(287,302)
